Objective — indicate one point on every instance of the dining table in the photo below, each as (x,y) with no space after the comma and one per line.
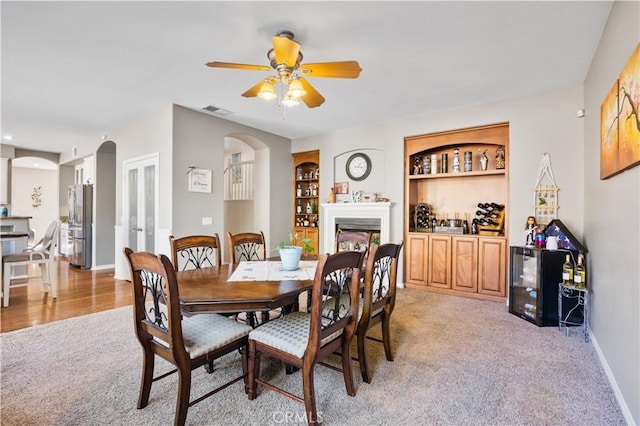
(249,286)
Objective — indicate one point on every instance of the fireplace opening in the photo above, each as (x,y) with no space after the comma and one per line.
(365,225)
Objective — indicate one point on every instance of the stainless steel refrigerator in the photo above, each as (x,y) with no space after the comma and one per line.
(80,224)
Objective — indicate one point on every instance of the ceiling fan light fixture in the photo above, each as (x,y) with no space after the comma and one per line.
(290,101)
(267,91)
(295,89)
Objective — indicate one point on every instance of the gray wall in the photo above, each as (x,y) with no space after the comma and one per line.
(198,140)
(612,219)
(105,202)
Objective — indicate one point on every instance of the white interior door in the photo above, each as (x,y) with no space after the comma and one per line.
(140,206)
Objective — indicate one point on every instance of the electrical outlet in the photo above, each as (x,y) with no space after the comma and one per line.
(207,221)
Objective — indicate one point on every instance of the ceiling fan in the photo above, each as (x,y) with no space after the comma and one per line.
(286,58)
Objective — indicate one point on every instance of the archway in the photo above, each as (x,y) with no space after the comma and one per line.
(248,215)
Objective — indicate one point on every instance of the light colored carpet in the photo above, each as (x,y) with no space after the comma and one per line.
(458,362)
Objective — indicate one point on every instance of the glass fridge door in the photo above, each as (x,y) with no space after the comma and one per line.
(524,283)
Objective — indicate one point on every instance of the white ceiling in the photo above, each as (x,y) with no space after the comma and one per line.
(71,71)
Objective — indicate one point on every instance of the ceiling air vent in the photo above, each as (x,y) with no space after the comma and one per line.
(216,110)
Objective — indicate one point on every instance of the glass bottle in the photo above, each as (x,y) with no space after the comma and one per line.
(455,167)
(434,222)
(299,191)
(434,164)
(445,163)
(299,208)
(579,276)
(474,227)
(309,211)
(567,271)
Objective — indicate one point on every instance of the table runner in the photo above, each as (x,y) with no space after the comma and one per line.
(272,271)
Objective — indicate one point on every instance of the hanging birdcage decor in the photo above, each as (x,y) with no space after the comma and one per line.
(545,193)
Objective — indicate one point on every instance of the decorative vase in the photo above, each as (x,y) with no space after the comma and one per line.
(4,212)
(484,160)
(500,157)
(290,257)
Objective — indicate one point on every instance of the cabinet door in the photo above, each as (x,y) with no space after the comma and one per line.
(439,261)
(464,264)
(416,273)
(313,235)
(492,267)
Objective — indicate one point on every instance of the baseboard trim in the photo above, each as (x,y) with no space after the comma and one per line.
(612,381)
(101,267)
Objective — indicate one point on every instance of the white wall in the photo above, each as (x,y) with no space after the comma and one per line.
(23,181)
(612,220)
(540,123)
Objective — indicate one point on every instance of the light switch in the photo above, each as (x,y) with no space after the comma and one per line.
(207,221)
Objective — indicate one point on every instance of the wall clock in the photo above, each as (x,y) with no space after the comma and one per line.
(358,166)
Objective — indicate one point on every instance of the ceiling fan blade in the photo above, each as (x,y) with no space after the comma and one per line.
(238,66)
(345,69)
(253,92)
(286,50)
(312,98)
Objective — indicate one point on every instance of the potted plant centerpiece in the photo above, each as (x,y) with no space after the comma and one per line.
(290,253)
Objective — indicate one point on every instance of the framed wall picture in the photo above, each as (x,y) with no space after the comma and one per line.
(200,180)
(341,187)
(620,121)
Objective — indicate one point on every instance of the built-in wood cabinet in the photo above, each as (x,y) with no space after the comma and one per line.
(448,260)
(464,264)
(306,190)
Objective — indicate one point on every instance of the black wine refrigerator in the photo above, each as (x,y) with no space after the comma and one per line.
(535,275)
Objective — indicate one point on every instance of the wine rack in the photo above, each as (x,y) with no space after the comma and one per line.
(422,217)
(494,213)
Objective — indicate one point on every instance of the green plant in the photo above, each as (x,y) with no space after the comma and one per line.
(305,243)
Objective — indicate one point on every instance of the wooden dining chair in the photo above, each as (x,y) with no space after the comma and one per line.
(188,342)
(41,254)
(195,252)
(303,339)
(248,246)
(378,300)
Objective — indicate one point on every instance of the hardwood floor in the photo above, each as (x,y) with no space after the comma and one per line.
(80,292)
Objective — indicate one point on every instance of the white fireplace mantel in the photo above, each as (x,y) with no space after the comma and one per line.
(331,211)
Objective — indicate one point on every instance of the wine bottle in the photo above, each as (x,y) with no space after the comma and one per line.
(483,206)
(486,222)
(487,214)
(567,271)
(474,227)
(496,207)
(579,276)
(465,227)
